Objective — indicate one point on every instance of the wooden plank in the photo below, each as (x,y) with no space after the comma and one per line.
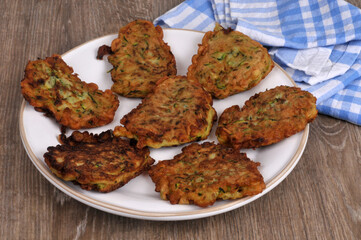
(320,199)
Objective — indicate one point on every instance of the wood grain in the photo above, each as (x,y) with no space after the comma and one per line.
(320,199)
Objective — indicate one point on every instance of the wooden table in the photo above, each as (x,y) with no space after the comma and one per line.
(320,199)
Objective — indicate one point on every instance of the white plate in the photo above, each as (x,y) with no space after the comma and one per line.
(137,199)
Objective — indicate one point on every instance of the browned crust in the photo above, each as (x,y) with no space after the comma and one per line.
(267,118)
(140,61)
(234,71)
(203,173)
(177,112)
(35,89)
(101,162)
(103,50)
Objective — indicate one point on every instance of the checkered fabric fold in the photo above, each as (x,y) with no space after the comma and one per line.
(318,42)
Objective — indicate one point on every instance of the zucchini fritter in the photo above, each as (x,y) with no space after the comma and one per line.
(51,87)
(267,118)
(140,57)
(201,174)
(178,111)
(229,62)
(97,162)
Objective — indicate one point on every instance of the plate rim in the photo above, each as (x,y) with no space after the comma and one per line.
(185,215)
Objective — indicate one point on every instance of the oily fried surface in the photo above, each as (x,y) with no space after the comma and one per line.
(97,162)
(201,174)
(229,62)
(51,87)
(177,112)
(140,58)
(267,118)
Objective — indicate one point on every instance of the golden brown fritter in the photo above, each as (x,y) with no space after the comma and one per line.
(201,174)
(51,87)
(178,111)
(97,162)
(229,62)
(140,58)
(267,118)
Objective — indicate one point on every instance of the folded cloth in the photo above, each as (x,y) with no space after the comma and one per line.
(318,42)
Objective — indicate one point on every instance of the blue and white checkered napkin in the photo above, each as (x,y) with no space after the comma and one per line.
(318,42)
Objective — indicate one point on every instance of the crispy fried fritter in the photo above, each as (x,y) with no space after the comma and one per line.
(178,111)
(267,118)
(201,174)
(51,87)
(97,162)
(229,62)
(140,57)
